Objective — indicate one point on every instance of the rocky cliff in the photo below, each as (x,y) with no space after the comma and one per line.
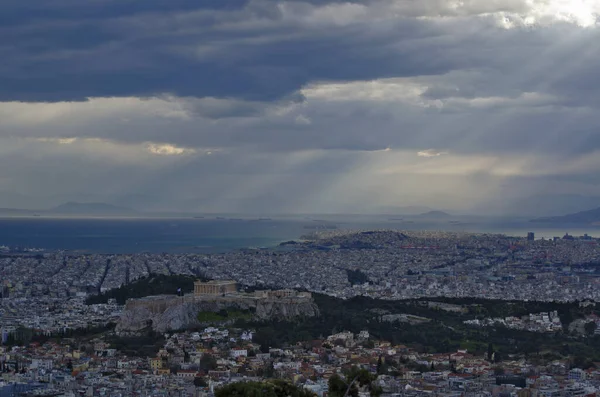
(169,312)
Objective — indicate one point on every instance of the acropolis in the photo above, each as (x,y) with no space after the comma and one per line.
(169,312)
(229,288)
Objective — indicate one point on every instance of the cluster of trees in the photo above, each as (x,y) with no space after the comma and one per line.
(145,345)
(333,319)
(356,277)
(208,362)
(273,388)
(200,382)
(355,380)
(228,314)
(24,336)
(567,311)
(146,286)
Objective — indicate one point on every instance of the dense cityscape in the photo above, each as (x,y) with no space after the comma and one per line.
(397,266)
(69,349)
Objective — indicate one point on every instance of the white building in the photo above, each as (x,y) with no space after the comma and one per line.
(235,353)
(40,363)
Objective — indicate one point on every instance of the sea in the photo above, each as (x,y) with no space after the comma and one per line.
(212,235)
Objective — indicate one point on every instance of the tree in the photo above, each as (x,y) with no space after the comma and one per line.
(453,366)
(208,362)
(498,371)
(582,362)
(200,382)
(266,338)
(497,357)
(590,328)
(368,344)
(356,378)
(337,387)
(269,370)
(274,388)
(490,352)
(223,312)
(356,277)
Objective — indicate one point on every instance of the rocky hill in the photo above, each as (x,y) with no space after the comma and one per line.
(171,312)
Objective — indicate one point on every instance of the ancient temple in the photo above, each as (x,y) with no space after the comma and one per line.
(215,287)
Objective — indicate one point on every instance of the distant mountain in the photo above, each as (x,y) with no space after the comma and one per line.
(397,210)
(10,212)
(548,205)
(435,214)
(410,210)
(537,206)
(74,208)
(584,218)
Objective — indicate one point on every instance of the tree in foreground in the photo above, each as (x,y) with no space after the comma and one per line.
(356,379)
(274,388)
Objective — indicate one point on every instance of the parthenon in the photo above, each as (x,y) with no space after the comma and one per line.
(215,287)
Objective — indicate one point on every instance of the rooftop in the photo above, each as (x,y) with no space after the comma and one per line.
(216,282)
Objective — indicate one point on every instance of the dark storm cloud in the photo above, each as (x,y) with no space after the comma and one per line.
(73,50)
(16,12)
(265,104)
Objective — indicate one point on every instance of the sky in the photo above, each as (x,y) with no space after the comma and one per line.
(314,106)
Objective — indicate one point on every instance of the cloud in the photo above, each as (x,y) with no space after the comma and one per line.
(303,120)
(120,151)
(60,141)
(430,153)
(165,149)
(305,105)
(252,50)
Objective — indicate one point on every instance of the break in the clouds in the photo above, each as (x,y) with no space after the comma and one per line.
(299,106)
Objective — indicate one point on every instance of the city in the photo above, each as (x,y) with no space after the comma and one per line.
(69,349)
(300,198)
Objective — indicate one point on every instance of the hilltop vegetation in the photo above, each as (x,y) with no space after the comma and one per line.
(224,315)
(445,332)
(146,286)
